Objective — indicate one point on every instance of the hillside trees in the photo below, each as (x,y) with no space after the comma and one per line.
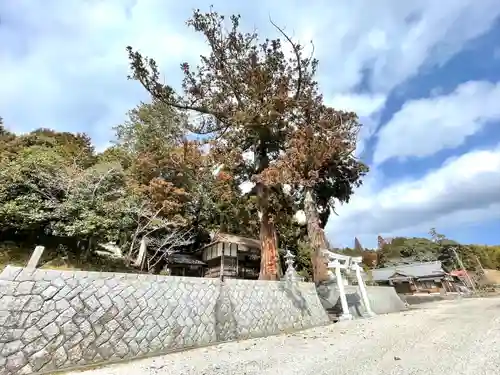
(454,255)
(417,249)
(178,174)
(440,247)
(249,97)
(52,187)
(56,187)
(488,256)
(3,131)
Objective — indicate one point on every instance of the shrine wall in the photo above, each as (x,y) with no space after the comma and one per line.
(383,300)
(52,320)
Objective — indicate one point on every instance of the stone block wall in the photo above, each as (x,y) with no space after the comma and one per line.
(383,300)
(52,320)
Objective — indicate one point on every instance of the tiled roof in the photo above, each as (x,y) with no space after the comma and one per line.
(231,238)
(415,270)
(180,258)
(251,243)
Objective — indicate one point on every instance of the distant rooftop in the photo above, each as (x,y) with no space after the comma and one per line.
(417,269)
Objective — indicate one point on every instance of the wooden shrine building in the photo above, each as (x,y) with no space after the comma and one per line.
(230,256)
(226,256)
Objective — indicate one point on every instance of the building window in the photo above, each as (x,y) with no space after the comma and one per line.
(426,284)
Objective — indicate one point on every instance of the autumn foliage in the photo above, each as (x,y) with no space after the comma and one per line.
(260,96)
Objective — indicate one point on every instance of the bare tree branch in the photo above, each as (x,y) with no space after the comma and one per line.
(168,245)
(140,228)
(103,177)
(296,51)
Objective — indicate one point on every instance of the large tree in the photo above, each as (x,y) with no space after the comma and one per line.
(249,96)
(318,162)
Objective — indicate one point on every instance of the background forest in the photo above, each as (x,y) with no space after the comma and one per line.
(59,192)
(438,247)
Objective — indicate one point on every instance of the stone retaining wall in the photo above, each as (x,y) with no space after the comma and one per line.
(52,320)
(383,300)
(418,299)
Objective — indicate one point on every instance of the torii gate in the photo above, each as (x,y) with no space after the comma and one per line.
(339,262)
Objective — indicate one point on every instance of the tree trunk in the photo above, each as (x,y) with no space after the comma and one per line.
(141,257)
(89,249)
(317,238)
(268,235)
(268,239)
(134,238)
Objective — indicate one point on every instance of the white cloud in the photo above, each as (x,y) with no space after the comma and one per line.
(67,65)
(392,38)
(425,126)
(363,104)
(464,189)
(367,107)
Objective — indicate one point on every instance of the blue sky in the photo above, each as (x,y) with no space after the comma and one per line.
(424,77)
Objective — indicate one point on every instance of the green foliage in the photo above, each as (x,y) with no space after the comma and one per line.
(52,186)
(97,204)
(57,191)
(31,188)
(151,126)
(3,130)
(474,256)
(351,252)
(303,263)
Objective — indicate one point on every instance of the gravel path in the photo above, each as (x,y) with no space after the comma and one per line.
(452,337)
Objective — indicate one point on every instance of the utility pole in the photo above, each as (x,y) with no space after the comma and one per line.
(463,268)
(483,272)
(480,265)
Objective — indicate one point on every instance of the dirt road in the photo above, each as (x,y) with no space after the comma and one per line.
(453,337)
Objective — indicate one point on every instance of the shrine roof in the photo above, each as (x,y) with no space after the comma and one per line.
(180,258)
(410,270)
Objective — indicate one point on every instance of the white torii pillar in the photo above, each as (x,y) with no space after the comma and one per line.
(355,261)
(337,266)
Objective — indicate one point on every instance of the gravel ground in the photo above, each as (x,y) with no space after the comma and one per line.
(450,337)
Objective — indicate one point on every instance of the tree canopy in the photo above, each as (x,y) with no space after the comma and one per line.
(259,97)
